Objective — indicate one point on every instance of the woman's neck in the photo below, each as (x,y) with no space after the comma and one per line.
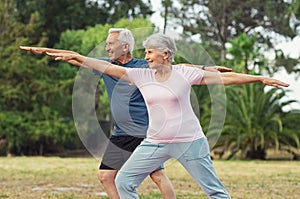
(163,72)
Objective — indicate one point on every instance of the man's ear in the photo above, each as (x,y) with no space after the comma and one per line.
(126,47)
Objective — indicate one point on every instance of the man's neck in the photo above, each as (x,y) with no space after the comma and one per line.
(124,59)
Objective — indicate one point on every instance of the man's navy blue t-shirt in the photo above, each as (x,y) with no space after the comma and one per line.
(127,104)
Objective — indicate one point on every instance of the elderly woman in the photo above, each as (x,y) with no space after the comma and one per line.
(174,130)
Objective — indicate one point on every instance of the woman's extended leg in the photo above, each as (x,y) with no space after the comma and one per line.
(196,160)
(145,159)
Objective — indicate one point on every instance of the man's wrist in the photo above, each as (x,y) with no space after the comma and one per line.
(203,67)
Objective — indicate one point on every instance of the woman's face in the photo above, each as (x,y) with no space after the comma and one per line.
(155,57)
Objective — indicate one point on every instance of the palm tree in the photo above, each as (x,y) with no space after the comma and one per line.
(253,123)
(290,136)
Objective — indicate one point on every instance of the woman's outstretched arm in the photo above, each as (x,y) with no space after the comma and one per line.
(91,63)
(76,59)
(231,78)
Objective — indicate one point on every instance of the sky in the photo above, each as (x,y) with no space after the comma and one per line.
(291,48)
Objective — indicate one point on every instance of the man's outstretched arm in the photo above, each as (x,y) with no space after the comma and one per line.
(42,50)
(209,68)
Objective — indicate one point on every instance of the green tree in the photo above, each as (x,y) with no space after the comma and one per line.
(27,88)
(290,137)
(217,22)
(58,16)
(246,56)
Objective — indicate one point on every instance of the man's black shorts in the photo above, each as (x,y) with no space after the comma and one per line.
(118,151)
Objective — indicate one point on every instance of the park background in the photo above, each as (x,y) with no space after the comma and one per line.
(261,125)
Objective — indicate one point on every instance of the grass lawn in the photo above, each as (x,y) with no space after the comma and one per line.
(74,178)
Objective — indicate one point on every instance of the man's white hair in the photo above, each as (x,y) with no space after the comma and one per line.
(125,37)
(161,42)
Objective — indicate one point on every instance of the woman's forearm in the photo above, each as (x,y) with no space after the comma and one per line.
(231,78)
(91,63)
(239,78)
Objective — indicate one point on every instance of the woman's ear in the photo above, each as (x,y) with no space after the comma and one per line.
(166,55)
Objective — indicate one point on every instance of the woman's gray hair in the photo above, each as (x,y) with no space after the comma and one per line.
(161,42)
(125,37)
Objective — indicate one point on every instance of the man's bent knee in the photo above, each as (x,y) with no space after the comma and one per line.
(105,176)
(157,176)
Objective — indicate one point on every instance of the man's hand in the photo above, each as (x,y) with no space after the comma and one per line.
(42,50)
(221,69)
(35,50)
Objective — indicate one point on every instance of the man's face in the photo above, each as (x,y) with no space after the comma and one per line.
(113,47)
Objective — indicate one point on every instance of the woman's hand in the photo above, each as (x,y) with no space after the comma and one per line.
(274,82)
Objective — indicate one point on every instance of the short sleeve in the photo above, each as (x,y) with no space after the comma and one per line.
(130,74)
(138,76)
(193,75)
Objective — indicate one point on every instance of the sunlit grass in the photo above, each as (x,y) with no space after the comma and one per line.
(76,178)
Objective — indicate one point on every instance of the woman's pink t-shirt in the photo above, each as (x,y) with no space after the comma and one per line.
(171,117)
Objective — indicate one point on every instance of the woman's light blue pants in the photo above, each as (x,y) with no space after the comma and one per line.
(194,156)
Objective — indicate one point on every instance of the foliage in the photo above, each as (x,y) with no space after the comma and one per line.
(34,133)
(254,123)
(254,120)
(291,137)
(58,16)
(36,93)
(30,95)
(245,55)
(217,22)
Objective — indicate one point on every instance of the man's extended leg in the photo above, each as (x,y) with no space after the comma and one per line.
(164,184)
(113,159)
(107,179)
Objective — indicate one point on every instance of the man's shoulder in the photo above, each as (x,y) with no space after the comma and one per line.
(104,59)
(139,63)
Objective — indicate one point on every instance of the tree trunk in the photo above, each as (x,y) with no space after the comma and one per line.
(253,153)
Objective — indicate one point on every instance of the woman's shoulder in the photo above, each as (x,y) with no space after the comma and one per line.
(183,68)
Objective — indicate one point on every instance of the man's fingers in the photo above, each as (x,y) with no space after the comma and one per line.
(35,50)
(25,48)
(54,54)
(224,69)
